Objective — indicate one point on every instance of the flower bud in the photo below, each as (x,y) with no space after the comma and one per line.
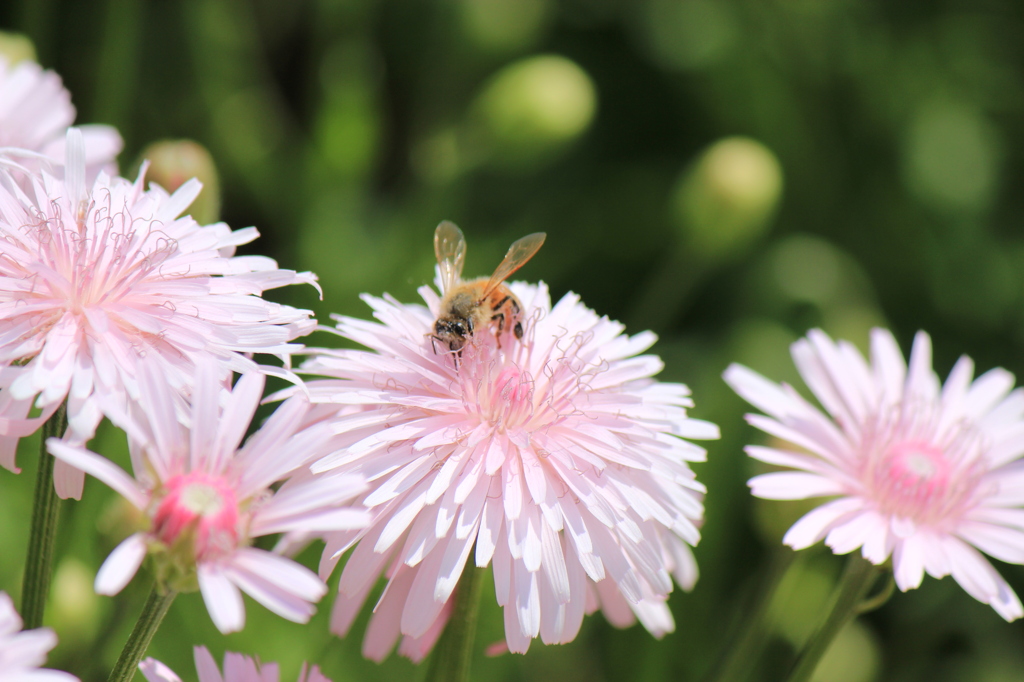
(853,656)
(15,47)
(173,162)
(533,108)
(728,197)
(504,25)
(74,605)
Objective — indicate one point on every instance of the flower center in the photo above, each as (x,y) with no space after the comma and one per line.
(511,397)
(494,388)
(99,254)
(920,481)
(198,515)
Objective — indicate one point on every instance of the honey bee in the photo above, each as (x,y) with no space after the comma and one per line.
(467,307)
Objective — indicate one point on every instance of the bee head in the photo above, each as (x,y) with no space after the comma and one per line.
(451,327)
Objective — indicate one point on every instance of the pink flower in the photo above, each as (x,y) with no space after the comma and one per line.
(35,112)
(558,457)
(205,499)
(94,278)
(925,474)
(237,668)
(21,653)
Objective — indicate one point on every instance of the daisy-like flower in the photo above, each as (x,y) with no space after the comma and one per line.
(93,278)
(926,474)
(558,457)
(204,499)
(21,653)
(237,668)
(35,112)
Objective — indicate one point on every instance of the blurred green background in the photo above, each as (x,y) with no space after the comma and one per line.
(728,173)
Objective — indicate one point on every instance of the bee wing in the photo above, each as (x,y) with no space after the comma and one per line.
(520,252)
(450,249)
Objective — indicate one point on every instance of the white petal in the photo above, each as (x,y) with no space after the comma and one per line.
(987,391)
(982,581)
(222,598)
(908,562)
(889,365)
(121,565)
(793,486)
(815,525)
(280,584)
(206,667)
(1005,544)
(922,383)
(67,480)
(155,671)
(100,467)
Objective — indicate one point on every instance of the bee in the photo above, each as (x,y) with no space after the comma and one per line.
(484,303)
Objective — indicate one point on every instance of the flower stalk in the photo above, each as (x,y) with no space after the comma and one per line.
(848,600)
(42,537)
(745,646)
(455,650)
(152,615)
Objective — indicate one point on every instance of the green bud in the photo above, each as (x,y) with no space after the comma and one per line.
(16,47)
(533,108)
(504,25)
(728,197)
(798,601)
(174,565)
(173,162)
(74,606)
(853,656)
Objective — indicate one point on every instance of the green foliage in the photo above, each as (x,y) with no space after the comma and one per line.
(346,130)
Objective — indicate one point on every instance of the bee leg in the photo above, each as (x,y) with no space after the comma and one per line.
(500,317)
(518,330)
(456,351)
(433,342)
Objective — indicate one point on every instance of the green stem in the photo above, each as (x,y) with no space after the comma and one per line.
(149,620)
(856,581)
(870,604)
(666,292)
(745,646)
(455,650)
(42,538)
